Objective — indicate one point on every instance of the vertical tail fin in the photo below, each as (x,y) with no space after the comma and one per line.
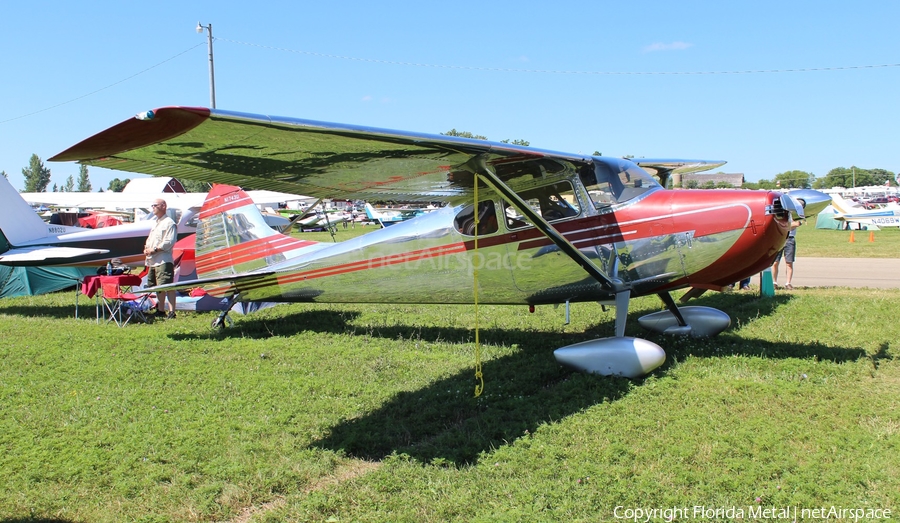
(371,213)
(233,237)
(18,221)
(841,205)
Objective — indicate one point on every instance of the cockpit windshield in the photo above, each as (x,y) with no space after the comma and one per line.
(611,181)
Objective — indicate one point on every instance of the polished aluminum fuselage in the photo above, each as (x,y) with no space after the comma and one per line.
(661,241)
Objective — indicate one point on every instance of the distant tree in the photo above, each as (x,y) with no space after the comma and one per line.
(70,184)
(525,143)
(709,184)
(195,186)
(854,177)
(464,134)
(55,188)
(767,185)
(4,174)
(724,185)
(116,185)
(794,180)
(882,176)
(597,153)
(690,184)
(84,183)
(37,177)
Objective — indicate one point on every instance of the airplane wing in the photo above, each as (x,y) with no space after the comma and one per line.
(663,168)
(47,255)
(306,157)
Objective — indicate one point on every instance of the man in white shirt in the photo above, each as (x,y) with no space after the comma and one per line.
(158,250)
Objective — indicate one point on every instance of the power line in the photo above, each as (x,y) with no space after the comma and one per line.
(103,88)
(552,71)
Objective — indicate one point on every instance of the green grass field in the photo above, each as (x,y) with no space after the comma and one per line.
(366,413)
(837,244)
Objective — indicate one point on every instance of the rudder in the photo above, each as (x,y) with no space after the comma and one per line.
(18,221)
(233,237)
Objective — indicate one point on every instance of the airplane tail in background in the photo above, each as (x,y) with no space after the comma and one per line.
(18,221)
(233,237)
(371,213)
(841,205)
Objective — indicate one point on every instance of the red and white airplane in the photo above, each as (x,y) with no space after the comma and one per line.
(521,226)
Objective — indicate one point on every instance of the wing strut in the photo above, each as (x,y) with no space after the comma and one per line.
(613,285)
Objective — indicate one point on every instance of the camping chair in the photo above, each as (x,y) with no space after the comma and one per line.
(118,300)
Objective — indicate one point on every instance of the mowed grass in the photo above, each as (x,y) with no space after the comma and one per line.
(826,243)
(366,413)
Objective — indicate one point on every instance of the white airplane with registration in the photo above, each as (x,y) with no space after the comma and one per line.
(849,212)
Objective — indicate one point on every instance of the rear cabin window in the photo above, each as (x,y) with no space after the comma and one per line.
(487,219)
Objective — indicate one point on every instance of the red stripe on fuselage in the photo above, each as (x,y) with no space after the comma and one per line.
(248,251)
(382,261)
(224,202)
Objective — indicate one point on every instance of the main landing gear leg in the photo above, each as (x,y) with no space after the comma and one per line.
(223,319)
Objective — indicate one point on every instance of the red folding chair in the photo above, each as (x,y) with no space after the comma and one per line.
(120,303)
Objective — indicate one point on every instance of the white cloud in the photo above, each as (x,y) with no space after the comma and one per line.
(367,98)
(674,46)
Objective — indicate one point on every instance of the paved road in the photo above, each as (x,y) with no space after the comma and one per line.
(879,273)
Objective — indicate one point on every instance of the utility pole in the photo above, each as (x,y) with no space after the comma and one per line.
(212,74)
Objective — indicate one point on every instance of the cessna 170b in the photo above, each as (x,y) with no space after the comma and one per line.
(520,226)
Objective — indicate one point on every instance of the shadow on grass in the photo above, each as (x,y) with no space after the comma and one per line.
(36,520)
(442,422)
(59,312)
(525,390)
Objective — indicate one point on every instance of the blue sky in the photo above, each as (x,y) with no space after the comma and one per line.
(622,78)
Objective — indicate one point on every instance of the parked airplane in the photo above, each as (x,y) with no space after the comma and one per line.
(388,217)
(139,203)
(845,211)
(522,225)
(26,240)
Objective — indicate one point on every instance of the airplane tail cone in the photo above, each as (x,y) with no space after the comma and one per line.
(851,237)
(766,284)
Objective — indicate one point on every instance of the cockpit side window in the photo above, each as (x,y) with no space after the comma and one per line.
(552,202)
(487,219)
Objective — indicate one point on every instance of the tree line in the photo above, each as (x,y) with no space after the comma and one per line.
(37,179)
(837,177)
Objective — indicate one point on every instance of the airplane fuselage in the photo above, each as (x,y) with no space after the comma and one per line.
(662,241)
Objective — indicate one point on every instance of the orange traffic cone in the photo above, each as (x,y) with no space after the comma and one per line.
(871,236)
(851,237)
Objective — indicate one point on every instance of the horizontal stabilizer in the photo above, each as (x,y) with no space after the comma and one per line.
(46,255)
(232,280)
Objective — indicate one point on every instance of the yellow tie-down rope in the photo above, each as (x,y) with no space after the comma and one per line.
(479,387)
